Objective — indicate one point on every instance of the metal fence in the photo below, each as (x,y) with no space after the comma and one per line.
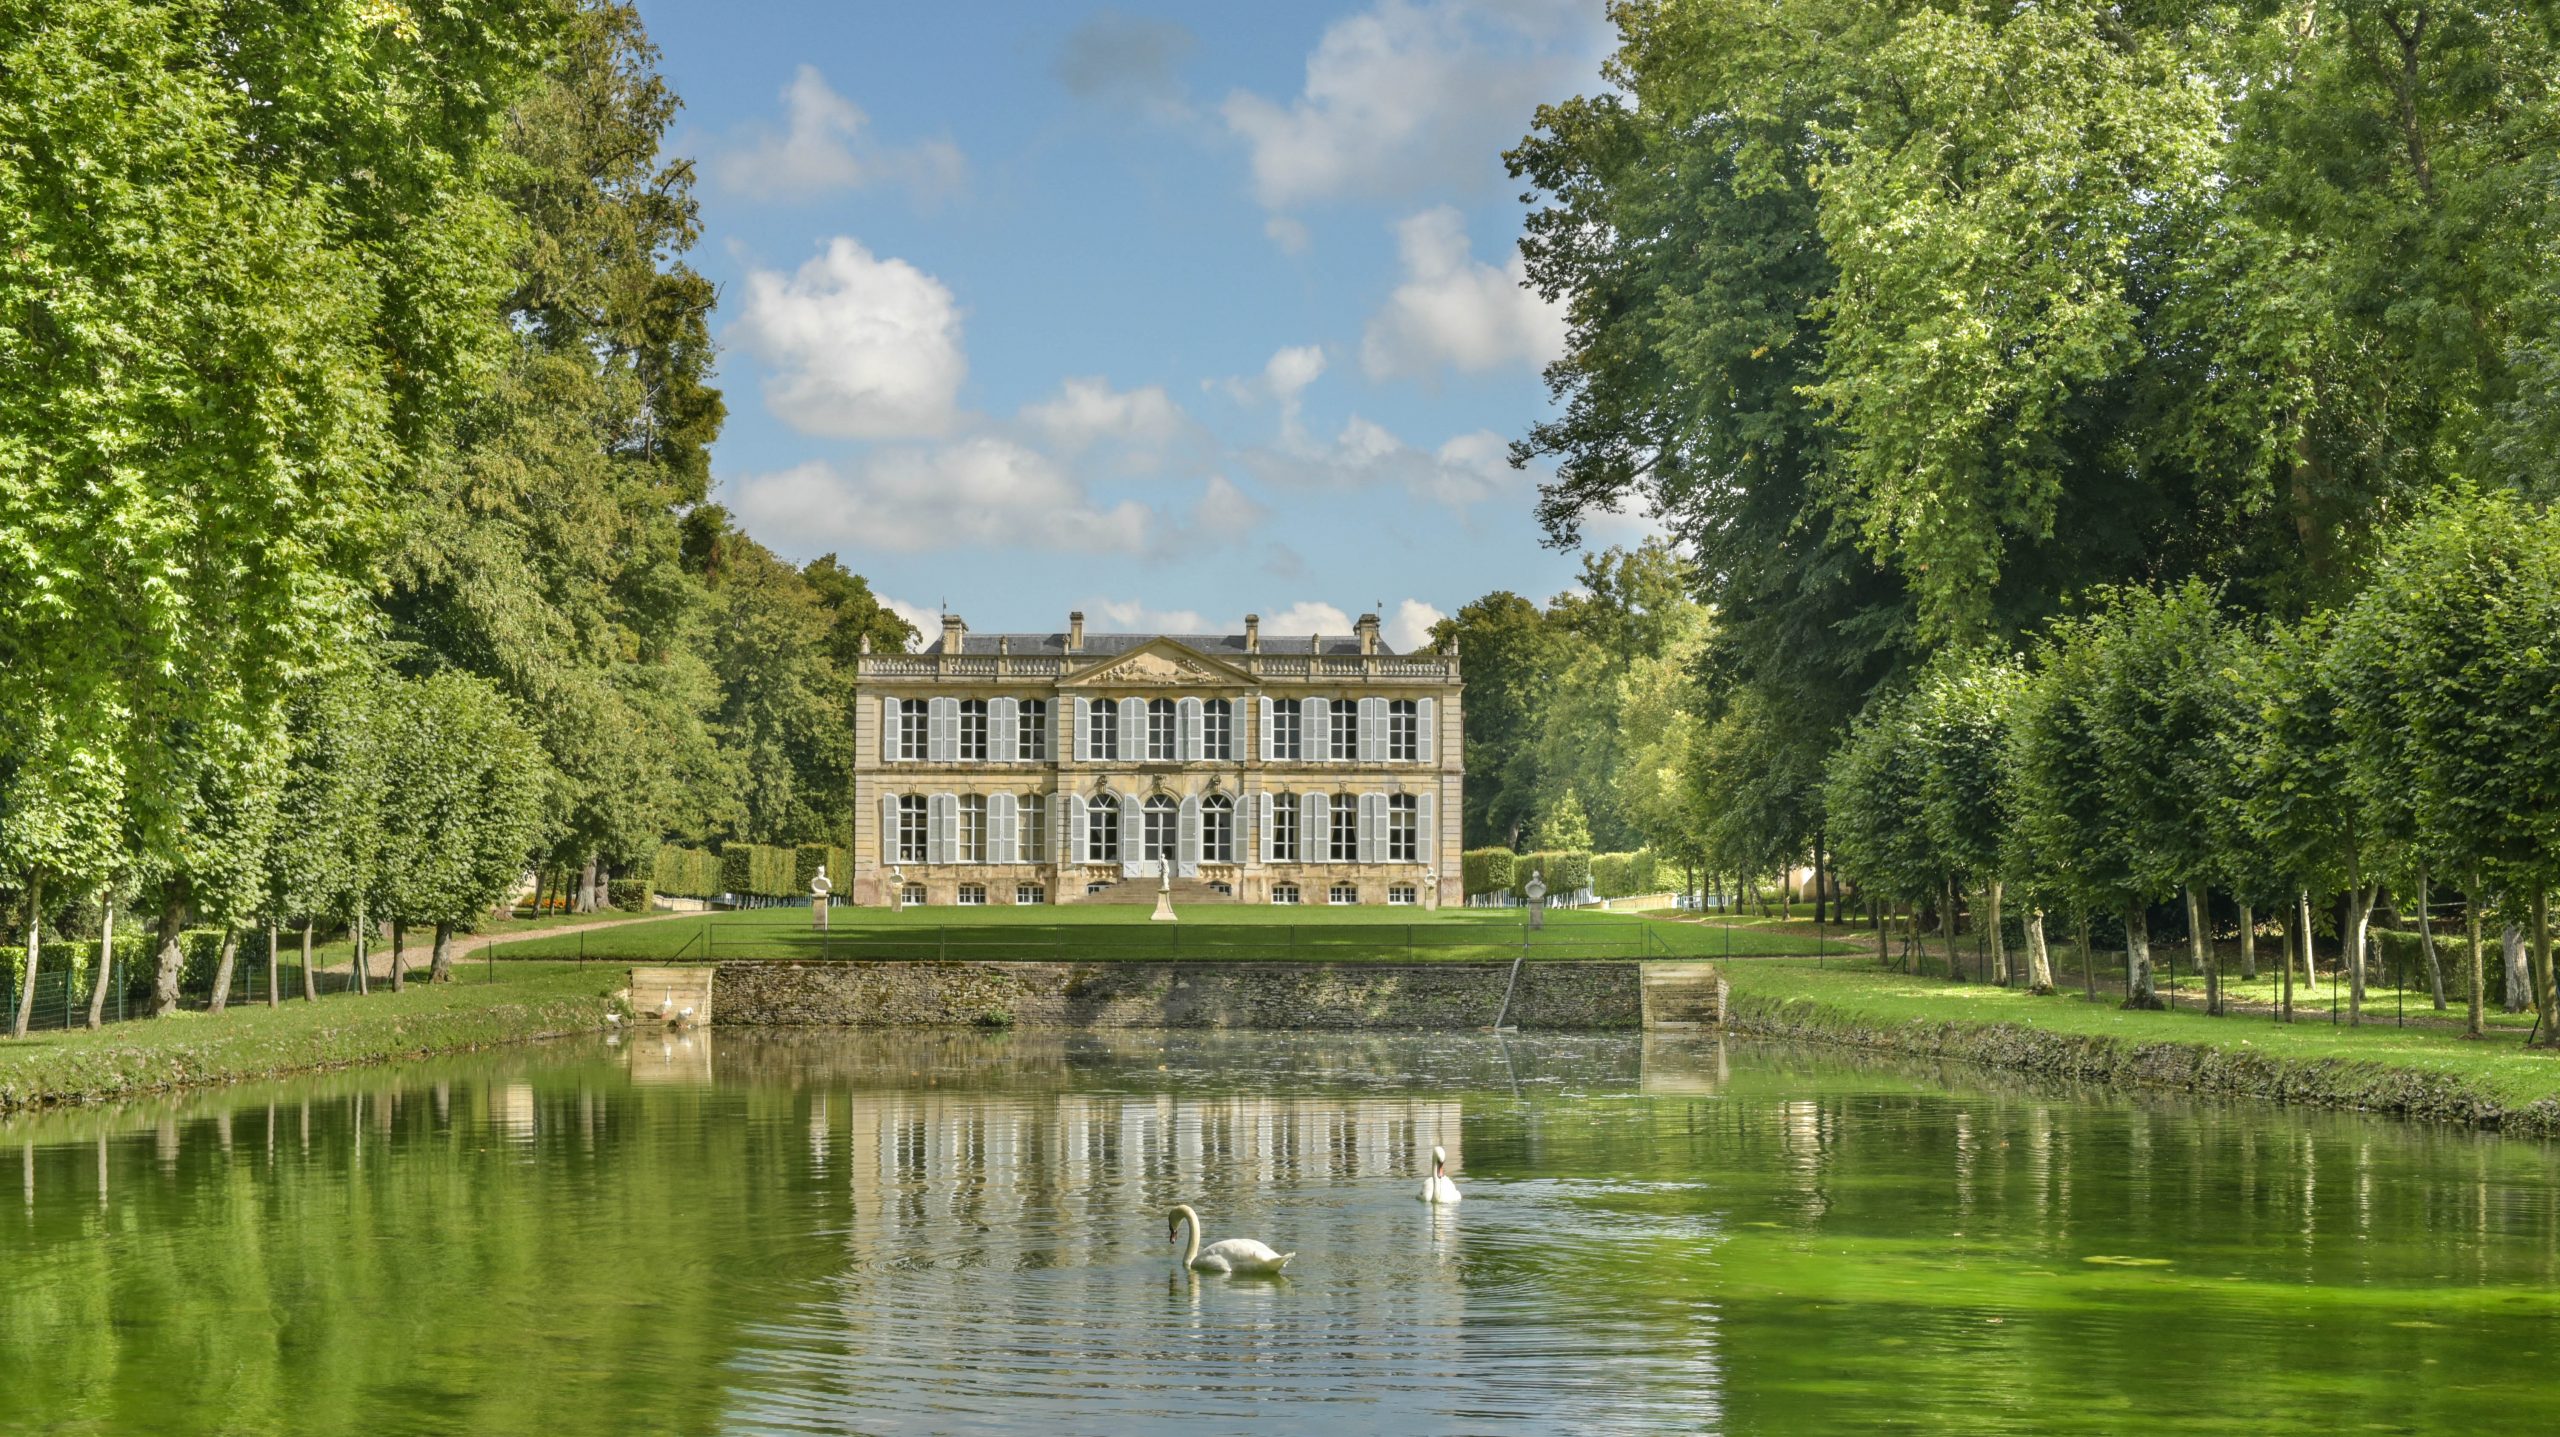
(62,997)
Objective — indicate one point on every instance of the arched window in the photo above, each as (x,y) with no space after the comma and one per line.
(1162,821)
(1102,829)
(1345,845)
(1217,829)
(1284,828)
(1164,732)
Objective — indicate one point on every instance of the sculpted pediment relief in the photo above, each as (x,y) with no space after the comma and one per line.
(1164,665)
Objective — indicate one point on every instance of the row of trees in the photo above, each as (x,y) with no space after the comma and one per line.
(355,550)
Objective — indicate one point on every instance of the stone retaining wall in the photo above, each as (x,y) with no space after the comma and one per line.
(1315,996)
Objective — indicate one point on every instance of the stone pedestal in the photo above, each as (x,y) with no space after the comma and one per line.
(1164,909)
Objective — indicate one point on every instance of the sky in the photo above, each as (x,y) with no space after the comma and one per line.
(1167,313)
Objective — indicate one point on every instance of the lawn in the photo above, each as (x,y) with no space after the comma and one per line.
(1095,932)
(511,1003)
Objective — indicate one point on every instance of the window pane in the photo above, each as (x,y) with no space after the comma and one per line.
(1031,740)
(973,730)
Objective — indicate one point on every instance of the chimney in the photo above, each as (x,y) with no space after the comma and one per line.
(1075,632)
(1368,628)
(1253,633)
(954,629)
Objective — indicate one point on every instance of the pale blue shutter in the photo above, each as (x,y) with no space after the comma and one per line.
(1371,810)
(1315,830)
(1194,730)
(1002,833)
(1427,740)
(1266,806)
(942,828)
(1071,817)
(942,730)
(1133,730)
(1003,723)
(1262,708)
(1187,837)
(888,730)
(1313,729)
(888,829)
(1425,833)
(1133,832)
(1373,730)
(1083,727)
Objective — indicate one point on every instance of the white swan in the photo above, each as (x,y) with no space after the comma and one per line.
(1437,1187)
(1233,1255)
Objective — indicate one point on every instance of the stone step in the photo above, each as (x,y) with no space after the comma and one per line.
(1683,995)
(1141,892)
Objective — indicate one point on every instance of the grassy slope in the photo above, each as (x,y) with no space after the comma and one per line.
(1913,1013)
(1111,932)
(527,1000)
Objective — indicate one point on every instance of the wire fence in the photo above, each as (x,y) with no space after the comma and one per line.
(63,997)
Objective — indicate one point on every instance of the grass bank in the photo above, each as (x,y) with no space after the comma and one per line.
(188,1049)
(1109,932)
(2413,1072)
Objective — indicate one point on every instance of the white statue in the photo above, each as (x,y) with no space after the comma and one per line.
(819,888)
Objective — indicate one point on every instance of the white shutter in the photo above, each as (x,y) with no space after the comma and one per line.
(1071,815)
(942,730)
(1373,730)
(888,829)
(1427,741)
(1193,731)
(1187,837)
(1133,831)
(1263,706)
(1426,835)
(1266,807)
(1003,834)
(1084,731)
(1049,721)
(942,828)
(888,730)
(1315,832)
(1314,730)
(1133,730)
(1003,720)
(1242,849)
(1372,808)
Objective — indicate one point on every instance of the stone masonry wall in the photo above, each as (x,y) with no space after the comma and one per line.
(1335,996)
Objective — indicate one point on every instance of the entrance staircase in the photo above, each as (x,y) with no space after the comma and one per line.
(1141,893)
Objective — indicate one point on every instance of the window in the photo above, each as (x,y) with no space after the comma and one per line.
(1284,828)
(1102,830)
(973,828)
(1091,889)
(915,729)
(1030,894)
(1217,829)
(1284,893)
(1031,828)
(1228,889)
(973,730)
(912,896)
(1400,895)
(1404,828)
(1157,831)
(971,895)
(1217,731)
(1342,893)
(1346,729)
(1031,737)
(911,828)
(1164,731)
(1345,847)
(1288,722)
(1404,731)
(1102,729)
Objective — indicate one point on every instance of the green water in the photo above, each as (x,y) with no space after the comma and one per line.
(859,1233)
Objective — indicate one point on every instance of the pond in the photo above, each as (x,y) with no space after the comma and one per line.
(858,1232)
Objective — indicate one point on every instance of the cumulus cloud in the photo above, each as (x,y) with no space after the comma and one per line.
(1291,235)
(1407,94)
(1308,616)
(973,494)
(1131,616)
(1127,61)
(926,619)
(1087,411)
(1453,310)
(1463,472)
(1409,628)
(825,145)
(1225,513)
(856,346)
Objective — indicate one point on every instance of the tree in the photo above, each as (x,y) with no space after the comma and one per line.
(1877,819)
(1958,736)
(1509,654)
(2068,816)
(460,809)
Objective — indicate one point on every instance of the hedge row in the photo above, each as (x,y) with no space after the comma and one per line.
(1487,870)
(1618,875)
(686,872)
(755,870)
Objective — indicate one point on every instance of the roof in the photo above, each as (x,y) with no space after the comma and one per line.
(1103,645)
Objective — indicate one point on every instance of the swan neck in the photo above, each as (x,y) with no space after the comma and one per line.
(1191,1226)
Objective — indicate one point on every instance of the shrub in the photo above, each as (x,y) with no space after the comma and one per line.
(1571,873)
(1613,874)
(1487,870)
(738,868)
(1644,872)
(686,872)
(631,895)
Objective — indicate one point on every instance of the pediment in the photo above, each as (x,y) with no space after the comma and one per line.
(1159,663)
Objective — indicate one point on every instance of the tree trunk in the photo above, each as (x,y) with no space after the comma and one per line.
(2427,940)
(2475,977)
(399,958)
(2039,961)
(1947,930)
(2511,949)
(2359,920)
(272,997)
(1999,945)
(2284,980)
(2200,947)
(440,970)
(587,885)
(2546,999)
(222,962)
(2137,957)
(2309,951)
(35,950)
(2248,944)
(310,984)
(173,954)
(1821,890)
(106,962)
(2088,963)
(362,972)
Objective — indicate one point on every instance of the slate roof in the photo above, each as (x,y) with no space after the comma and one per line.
(1103,645)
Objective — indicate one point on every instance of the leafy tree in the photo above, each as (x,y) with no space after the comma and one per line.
(1509,657)
(1562,828)
(459,810)
(1878,819)
(2074,834)
(1958,737)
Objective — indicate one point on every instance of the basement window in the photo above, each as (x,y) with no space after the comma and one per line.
(1400,895)
(1030,893)
(1284,893)
(1343,893)
(972,895)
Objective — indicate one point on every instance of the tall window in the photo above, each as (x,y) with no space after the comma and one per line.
(1346,729)
(973,730)
(1217,829)
(1031,740)
(1345,847)
(973,828)
(911,828)
(1102,829)
(915,729)
(1161,819)
(1288,722)
(1404,730)
(1102,729)
(1164,731)
(1284,828)
(1217,733)
(1404,828)
(1031,829)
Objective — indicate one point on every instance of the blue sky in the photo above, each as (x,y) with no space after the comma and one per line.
(1167,313)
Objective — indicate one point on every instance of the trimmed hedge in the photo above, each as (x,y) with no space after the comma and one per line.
(686,872)
(1563,873)
(759,870)
(1617,875)
(631,895)
(839,862)
(752,870)
(1488,870)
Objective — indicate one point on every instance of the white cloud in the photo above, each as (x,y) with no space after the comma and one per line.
(1409,94)
(1291,235)
(858,347)
(1225,513)
(1306,617)
(974,494)
(826,145)
(1087,411)
(1284,379)
(1464,471)
(1129,616)
(1454,310)
(927,621)
(1410,629)
(1630,525)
